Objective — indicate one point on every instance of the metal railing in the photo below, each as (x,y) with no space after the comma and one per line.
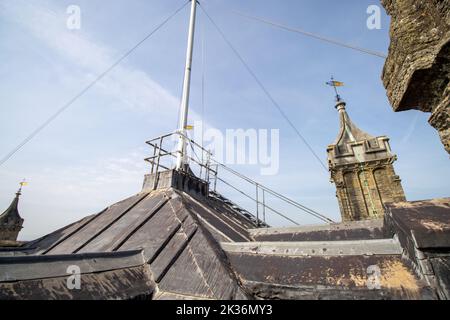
(164,156)
(203,166)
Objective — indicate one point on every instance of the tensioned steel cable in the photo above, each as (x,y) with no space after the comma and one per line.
(87,88)
(250,197)
(276,194)
(264,89)
(312,35)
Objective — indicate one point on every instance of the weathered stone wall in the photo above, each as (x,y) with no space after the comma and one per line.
(362,190)
(417,71)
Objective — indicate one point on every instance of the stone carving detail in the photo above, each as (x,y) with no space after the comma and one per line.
(417,71)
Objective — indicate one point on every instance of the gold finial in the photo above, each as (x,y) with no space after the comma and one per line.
(22,184)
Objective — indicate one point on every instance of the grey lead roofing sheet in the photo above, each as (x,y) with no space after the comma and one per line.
(426,222)
(178,237)
(208,276)
(117,284)
(77,240)
(221,222)
(156,232)
(342,272)
(169,227)
(126,225)
(118,275)
(46,243)
(164,259)
(35,267)
(142,221)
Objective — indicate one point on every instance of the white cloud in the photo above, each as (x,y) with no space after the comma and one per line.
(133,87)
(61,194)
(58,196)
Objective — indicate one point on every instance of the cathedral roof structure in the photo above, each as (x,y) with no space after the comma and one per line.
(177,243)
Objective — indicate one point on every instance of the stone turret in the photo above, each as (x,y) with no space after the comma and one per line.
(11,222)
(361,166)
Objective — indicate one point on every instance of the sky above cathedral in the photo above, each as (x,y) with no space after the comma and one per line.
(92,155)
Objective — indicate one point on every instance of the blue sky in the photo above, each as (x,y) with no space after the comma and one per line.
(91,156)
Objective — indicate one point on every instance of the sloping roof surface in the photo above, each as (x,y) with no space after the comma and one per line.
(123,275)
(326,270)
(199,248)
(179,238)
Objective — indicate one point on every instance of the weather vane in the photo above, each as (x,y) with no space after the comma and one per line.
(335,84)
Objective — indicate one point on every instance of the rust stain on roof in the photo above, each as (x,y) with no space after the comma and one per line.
(435,225)
(440,202)
(395,275)
(358,279)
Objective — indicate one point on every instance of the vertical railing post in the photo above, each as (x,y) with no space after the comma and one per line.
(257,206)
(155,182)
(207,173)
(264,205)
(153,160)
(201,164)
(215,178)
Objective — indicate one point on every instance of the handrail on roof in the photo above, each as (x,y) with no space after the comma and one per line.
(208,170)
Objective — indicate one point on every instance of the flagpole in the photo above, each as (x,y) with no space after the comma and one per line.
(184,110)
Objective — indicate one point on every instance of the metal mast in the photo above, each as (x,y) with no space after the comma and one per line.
(184,110)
